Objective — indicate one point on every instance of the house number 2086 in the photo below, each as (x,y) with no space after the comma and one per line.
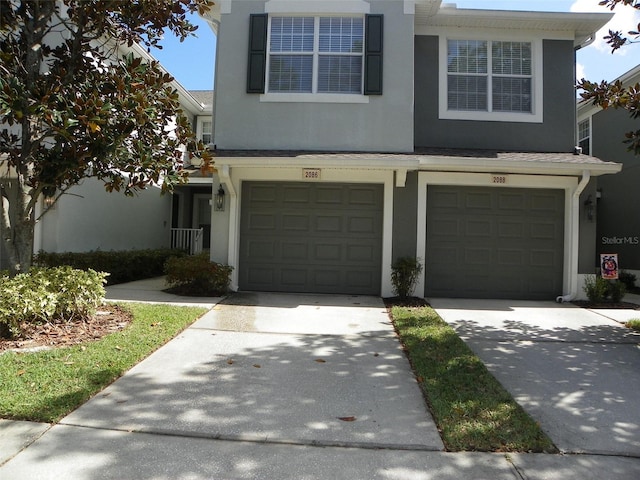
(498,179)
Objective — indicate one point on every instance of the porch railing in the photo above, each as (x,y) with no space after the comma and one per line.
(189,239)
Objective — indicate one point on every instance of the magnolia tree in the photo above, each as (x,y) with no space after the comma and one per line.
(615,94)
(77,102)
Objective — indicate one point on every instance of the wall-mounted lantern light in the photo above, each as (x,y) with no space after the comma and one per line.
(219,203)
(588,208)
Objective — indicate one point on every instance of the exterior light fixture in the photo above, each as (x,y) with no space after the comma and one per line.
(219,200)
(588,208)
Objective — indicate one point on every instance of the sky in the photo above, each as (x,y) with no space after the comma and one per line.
(191,62)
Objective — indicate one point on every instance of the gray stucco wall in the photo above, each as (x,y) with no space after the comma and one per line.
(555,134)
(618,218)
(405,218)
(92,219)
(384,124)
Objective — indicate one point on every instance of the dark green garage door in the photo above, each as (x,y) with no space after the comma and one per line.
(311,237)
(494,242)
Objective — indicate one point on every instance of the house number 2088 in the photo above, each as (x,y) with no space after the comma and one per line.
(498,179)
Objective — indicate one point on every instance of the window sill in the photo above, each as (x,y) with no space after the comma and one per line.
(313,98)
(491,116)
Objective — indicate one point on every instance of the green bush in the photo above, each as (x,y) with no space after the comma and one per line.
(122,266)
(629,279)
(404,275)
(599,290)
(634,324)
(47,295)
(197,275)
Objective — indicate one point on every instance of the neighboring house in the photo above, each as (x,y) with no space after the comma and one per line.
(350,133)
(602,133)
(89,218)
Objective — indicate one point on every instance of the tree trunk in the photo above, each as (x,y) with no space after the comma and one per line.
(16,226)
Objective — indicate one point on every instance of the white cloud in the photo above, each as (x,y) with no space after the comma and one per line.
(580,71)
(625,19)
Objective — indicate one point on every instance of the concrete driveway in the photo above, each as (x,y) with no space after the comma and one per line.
(576,371)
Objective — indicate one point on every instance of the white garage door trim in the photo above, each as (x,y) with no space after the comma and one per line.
(332,175)
(569,184)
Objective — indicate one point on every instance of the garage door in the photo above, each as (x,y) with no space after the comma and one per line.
(311,237)
(494,242)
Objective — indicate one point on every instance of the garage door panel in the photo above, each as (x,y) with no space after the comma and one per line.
(295,222)
(510,202)
(327,239)
(478,228)
(328,224)
(264,194)
(331,252)
(292,251)
(264,222)
(329,195)
(294,195)
(510,229)
(478,201)
(510,245)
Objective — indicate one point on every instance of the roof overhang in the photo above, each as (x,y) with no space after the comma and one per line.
(486,162)
(580,26)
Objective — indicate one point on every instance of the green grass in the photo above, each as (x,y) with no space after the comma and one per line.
(44,386)
(634,324)
(471,408)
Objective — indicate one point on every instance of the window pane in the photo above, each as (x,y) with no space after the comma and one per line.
(467,56)
(291,34)
(341,34)
(339,74)
(511,94)
(467,93)
(290,73)
(511,58)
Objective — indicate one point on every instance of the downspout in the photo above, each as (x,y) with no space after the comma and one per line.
(225,177)
(575,227)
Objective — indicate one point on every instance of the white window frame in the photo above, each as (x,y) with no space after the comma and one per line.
(580,137)
(314,96)
(536,114)
(200,126)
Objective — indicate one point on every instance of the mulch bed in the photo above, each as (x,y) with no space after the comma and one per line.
(108,319)
(606,305)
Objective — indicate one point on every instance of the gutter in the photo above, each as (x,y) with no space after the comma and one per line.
(575,226)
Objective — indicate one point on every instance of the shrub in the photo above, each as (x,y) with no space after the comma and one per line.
(616,291)
(47,295)
(404,275)
(197,275)
(595,287)
(634,324)
(628,278)
(122,266)
(599,290)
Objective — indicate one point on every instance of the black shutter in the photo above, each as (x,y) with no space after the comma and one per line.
(257,53)
(373,55)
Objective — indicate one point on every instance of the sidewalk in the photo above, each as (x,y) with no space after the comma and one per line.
(243,394)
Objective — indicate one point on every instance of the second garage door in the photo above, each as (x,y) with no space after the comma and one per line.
(494,242)
(311,237)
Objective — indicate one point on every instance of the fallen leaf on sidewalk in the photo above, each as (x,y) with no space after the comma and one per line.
(230,361)
(256,365)
(319,360)
(347,419)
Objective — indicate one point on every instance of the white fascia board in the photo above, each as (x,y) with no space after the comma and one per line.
(317,6)
(311,161)
(515,167)
(582,26)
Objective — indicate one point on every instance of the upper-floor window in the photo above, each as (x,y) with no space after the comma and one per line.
(316,54)
(486,79)
(584,136)
(204,129)
(316,58)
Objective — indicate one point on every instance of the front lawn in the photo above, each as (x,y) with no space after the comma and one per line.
(44,386)
(471,408)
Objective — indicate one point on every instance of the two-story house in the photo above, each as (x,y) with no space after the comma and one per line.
(350,133)
(602,133)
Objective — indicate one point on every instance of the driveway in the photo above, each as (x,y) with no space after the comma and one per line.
(576,371)
(258,374)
